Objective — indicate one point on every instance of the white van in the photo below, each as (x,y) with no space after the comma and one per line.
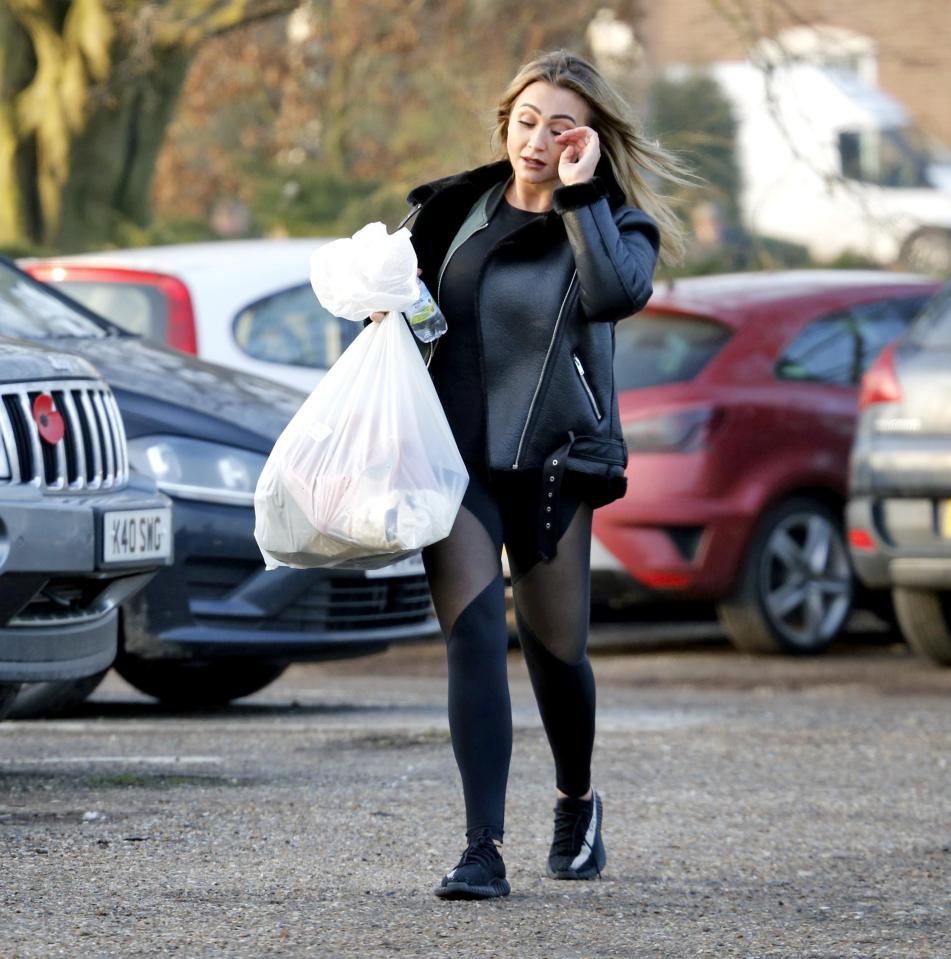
(833,164)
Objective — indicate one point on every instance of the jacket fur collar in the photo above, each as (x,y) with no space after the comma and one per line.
(475,182)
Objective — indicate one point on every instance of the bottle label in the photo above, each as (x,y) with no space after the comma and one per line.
(422,310)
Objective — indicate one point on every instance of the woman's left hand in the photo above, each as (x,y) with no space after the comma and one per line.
(580,157)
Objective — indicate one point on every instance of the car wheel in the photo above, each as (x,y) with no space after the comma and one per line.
(36,700)
(928,251)
(184,683)
(8,693)
(795,591)
(924,617)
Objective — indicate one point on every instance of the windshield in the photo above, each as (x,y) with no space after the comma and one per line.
(29,310)
(932,329)
(898,157)
(653,349)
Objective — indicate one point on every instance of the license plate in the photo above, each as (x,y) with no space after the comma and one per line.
(136,534)
(409,566)
(946,519)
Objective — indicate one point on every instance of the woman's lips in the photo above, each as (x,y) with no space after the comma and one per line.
(533,164)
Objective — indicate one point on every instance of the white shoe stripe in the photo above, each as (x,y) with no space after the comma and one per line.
(587,844)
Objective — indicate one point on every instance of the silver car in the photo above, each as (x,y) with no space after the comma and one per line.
(899,513)
(78,534)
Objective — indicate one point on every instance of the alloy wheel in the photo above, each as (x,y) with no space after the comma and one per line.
(806,580)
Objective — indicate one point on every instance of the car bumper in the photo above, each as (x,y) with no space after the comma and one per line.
(218,600)
(30,655)
(905,542)
(693,552)
(58,598)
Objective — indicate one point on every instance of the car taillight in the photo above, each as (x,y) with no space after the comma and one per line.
(861,539)
(682,432)
(661,580)
(880,382)
(180,331)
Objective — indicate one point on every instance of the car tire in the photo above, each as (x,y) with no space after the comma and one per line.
(197,684)
(39,700)
(795,590)
(924,617)
(927,251)
(8,694)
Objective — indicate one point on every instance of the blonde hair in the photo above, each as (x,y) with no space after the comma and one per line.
(630,153)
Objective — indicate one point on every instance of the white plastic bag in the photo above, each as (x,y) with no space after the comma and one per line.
(367,471)
(372,271)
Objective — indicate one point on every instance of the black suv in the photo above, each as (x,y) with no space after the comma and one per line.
(216,625)
(78,536)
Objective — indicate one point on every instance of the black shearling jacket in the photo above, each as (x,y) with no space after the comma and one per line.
(590,263)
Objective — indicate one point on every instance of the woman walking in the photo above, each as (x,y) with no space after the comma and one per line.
(532,259)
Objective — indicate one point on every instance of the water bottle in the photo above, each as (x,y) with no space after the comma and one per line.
(425,318)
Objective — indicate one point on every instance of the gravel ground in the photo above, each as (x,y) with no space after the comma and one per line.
(753,807)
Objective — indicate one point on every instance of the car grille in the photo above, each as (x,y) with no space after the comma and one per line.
(92,454)
(349,603)
(338,603)
(62,602)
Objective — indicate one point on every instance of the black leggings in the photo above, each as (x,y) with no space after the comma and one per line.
(552,613)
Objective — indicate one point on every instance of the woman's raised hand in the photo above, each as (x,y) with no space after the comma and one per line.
(580,157)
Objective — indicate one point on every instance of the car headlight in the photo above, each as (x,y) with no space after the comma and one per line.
(196,469)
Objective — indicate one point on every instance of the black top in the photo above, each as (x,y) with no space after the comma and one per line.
(458,366)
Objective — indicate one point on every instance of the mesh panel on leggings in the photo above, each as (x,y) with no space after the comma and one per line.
(460,566)
(465,579)
(551,611)
(553,598)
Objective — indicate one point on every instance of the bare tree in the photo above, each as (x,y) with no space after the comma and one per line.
(324,120)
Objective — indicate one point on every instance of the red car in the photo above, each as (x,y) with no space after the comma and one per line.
(738,398)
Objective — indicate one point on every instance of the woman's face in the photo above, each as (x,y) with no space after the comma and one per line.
(540,113)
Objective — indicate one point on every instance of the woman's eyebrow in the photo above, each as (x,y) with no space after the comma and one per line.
(554,116)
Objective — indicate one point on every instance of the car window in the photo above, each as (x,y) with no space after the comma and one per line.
(136,307)
(895,157)
(881,322)
(292,327)
(932,328)
(839,347)
(652,349)
(28,309)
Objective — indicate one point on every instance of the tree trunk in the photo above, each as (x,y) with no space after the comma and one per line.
(17,205)
(113,158)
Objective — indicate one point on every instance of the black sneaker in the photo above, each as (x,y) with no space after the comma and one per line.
(479,874)
(577,851)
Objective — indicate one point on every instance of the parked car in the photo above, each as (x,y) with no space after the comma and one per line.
(738,398)
(899,511)
(216,625)
(834,164)
(78,534)
(247,304)
(693,542)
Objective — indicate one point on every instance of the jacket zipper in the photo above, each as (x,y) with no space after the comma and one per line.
(541,377)
(587,387)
